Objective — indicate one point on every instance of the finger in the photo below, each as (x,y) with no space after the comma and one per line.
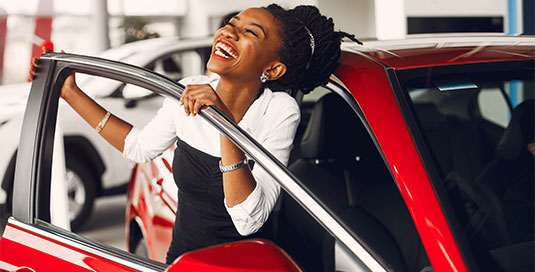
(191,103)
(185,101)
(183,96)
(199,103)
(31,73)
(62,51)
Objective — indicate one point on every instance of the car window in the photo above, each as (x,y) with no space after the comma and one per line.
(338,162)
(494,106)
(175,66)
(178,65)
(479,148)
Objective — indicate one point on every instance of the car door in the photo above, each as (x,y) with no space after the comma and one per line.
(29,231)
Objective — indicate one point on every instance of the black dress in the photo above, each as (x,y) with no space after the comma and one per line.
(201,219)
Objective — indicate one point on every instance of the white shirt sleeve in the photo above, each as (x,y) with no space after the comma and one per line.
(277,138)
(142,145)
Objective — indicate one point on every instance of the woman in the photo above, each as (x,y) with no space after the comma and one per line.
(259,56)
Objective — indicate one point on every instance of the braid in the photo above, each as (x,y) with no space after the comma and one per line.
(305,71)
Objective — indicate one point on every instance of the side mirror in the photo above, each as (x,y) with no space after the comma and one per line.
(247,255)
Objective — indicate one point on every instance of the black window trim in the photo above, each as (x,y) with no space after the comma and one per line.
(38,133)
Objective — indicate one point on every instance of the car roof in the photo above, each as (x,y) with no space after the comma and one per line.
(139,52)
(432,50)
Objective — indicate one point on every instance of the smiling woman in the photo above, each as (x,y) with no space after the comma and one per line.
(258,58)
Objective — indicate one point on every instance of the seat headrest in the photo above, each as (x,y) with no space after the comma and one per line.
(332,130)
(519,133)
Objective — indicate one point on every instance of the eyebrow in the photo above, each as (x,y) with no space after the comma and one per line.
(254,24)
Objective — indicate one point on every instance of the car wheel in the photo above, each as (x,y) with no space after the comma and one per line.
(81,191)
(141,248)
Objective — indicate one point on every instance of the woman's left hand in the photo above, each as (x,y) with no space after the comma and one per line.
(196,97)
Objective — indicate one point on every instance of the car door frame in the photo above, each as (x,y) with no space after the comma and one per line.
(31,207)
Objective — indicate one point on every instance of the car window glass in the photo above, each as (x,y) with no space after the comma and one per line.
(178,65)
(338,162)
(175,66)
(493,106)
(91,175)
(480,149)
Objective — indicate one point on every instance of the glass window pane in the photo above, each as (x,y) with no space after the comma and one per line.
(481,152)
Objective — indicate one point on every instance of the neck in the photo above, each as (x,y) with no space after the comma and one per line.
(237,95)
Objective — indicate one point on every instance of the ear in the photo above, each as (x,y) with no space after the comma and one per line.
(275,70)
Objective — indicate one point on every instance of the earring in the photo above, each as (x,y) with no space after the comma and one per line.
(264,78)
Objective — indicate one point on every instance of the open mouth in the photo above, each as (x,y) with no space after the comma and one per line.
(225,50)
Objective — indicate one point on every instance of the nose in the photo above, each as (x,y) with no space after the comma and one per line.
(229,32)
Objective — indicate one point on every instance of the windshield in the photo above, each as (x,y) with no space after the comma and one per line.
(477,124)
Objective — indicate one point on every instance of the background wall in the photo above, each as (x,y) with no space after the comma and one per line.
(75,26)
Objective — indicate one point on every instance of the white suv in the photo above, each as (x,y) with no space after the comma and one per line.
(94,167)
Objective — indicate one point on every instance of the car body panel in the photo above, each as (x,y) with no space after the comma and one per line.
(47,255)
(446,50)
(368,83)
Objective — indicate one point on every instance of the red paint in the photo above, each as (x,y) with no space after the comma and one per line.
(150,208)
(249,255)
(43,30)
(21,248)
(369,84)
(411,58)
(3,36)
(167,165)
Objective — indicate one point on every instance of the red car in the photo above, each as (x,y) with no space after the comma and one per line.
(413,158)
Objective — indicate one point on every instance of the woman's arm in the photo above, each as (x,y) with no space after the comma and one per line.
(237,184)
(115,129)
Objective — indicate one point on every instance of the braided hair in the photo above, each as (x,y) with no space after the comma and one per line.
(310,48)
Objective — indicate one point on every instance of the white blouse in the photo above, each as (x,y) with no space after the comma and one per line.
(272,120)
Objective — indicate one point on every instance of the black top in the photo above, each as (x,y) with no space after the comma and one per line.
(201,218)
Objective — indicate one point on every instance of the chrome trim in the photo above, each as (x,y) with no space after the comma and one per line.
(152,81)
(80,246)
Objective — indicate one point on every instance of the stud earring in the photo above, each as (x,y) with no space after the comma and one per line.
(264,78)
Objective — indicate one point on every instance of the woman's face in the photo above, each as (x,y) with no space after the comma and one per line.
(246,46)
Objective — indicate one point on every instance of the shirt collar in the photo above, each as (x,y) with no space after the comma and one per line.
(256,111)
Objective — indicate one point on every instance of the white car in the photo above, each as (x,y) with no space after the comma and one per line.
(94,167)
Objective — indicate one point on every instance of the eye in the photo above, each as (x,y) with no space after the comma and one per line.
(250,31)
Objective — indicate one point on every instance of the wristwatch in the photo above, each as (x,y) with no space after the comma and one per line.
(232,167)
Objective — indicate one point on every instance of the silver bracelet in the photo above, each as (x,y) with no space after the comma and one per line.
(102,123)
(232,167)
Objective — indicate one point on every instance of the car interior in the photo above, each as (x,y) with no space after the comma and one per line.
(479,166)
(336,159)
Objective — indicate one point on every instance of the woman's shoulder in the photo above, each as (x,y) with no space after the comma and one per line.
(283,101)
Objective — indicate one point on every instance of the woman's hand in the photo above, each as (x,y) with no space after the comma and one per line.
(68,85)
(196,97)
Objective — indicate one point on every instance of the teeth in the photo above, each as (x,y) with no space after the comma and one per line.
(219,53)
(227,50)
